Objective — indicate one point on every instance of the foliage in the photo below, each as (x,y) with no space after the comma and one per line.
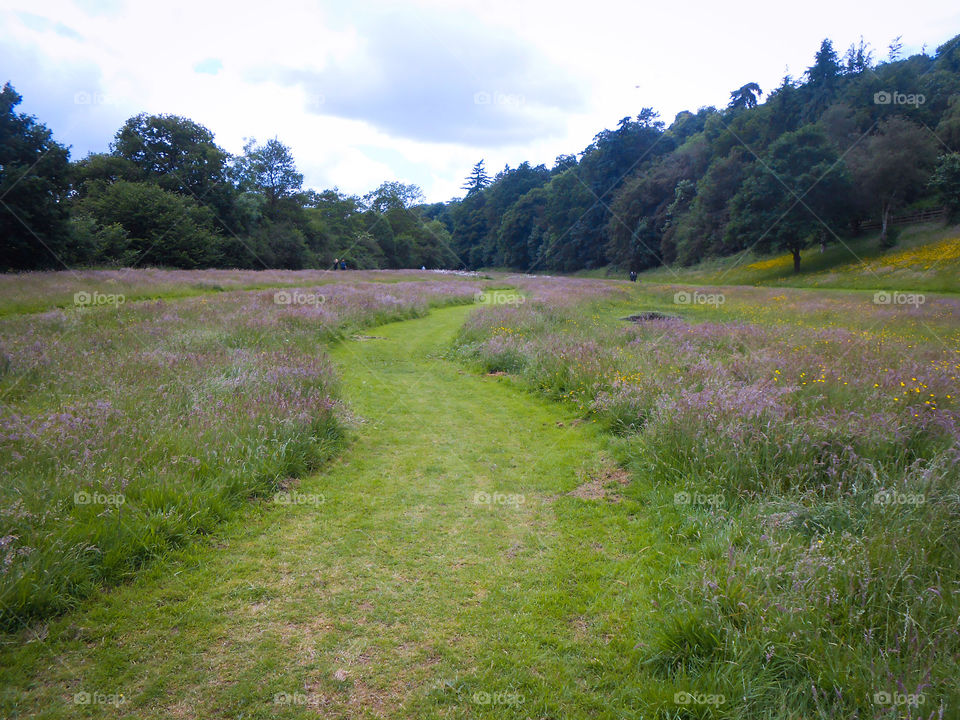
(795,192)
(946,181)
(34,175)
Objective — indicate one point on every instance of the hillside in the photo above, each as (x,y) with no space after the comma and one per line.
(926,258)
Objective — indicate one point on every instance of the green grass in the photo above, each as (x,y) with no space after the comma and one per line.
(783,413)
(478,550)
(420,595)
(857,263)
(127,431)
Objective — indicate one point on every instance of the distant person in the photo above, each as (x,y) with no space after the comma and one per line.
(336,263)
(423,267)
(633,276)
(343,264)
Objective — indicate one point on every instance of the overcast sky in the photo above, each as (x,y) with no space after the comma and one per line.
(418,91)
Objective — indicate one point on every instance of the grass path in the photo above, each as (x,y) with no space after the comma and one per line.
(403,593)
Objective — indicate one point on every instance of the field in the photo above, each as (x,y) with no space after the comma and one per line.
(406,494)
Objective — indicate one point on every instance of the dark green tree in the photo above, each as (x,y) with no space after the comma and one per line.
(393,195)
(859,58)
(701,231)
(34,177)
(894,49)
(507,188)
(270,170)
(891,167)
(477,180)
(794,194)
(471,228)
(747,96)
(946,182)
(823,81)
(175,152)
(520,232)
(948,129)
(161,227)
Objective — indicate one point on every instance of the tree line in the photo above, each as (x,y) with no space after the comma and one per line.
(852,139)
(849,141)
(167,195)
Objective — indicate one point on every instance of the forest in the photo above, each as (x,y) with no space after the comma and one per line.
(805,164)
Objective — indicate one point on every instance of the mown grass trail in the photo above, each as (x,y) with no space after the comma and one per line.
(437,569)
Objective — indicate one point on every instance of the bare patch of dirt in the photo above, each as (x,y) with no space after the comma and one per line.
(288,483)
(648,316)
(581,628)
(602,485)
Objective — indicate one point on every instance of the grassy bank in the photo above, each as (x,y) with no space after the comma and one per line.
(926,258)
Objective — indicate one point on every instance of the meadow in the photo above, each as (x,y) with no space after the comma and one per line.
(127,428)
(807,446)
(37,291)
(517,496)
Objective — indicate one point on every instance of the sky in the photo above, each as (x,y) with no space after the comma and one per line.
(365,92)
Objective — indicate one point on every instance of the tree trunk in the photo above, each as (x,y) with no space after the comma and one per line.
(796,259)
(884,219)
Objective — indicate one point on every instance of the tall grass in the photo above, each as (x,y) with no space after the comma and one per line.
(46,290)
(813,468)
(127,429)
